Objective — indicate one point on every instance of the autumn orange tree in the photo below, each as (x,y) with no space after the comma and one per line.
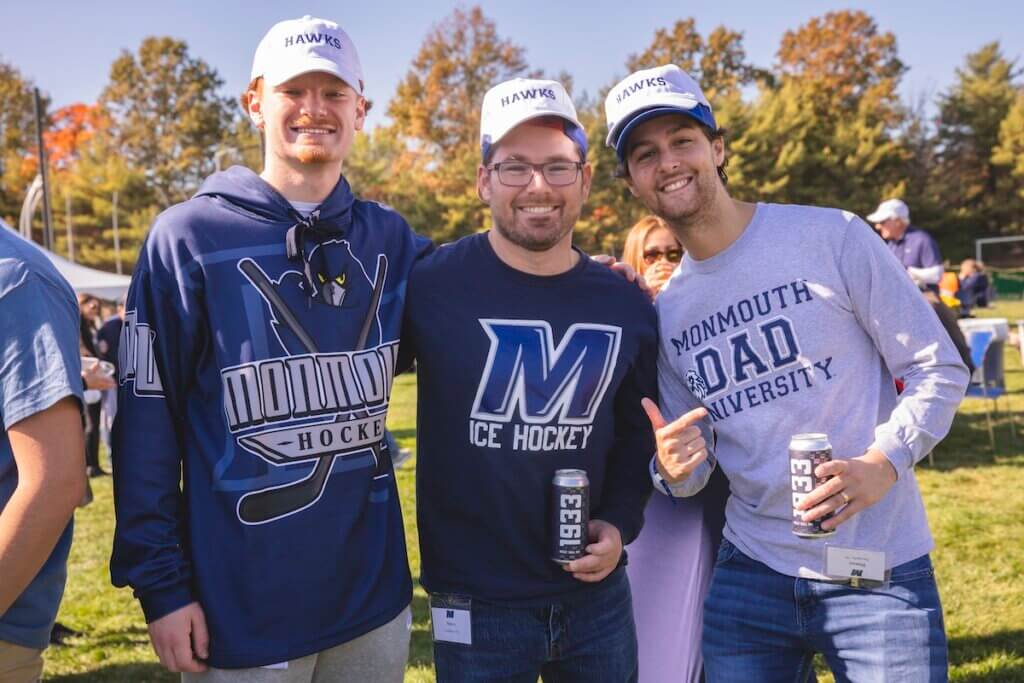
(71,129)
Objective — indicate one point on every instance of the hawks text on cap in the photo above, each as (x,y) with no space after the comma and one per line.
(632,88)
(527,94)
(301,38)
(650,93)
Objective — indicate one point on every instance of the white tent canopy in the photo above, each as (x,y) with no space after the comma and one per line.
(83,279)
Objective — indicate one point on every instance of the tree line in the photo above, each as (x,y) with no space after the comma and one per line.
(824,124)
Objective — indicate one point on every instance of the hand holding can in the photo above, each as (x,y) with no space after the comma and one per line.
(806,452)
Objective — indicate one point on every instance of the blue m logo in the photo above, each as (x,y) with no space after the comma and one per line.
(526,373)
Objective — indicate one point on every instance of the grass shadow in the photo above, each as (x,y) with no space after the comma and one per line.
(400,434)
(995,647)
(106,639)
(421,649)
(967,444)
(119,673)
(964,649)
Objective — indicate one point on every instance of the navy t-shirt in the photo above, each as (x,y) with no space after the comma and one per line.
(519,376)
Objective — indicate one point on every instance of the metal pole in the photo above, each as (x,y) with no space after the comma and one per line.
(47,215)
(117,239)
(28,207)
(67,215)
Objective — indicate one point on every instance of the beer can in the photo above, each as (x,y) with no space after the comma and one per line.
(570,513)
(806,452)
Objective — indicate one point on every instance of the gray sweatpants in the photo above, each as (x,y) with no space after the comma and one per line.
(375,657)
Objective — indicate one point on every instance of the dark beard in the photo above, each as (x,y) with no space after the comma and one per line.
(525,241)
(687,221)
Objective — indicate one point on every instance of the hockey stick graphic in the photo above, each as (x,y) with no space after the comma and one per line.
(269,504)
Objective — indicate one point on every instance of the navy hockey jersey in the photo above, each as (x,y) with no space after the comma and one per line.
(260,384)
(519,376)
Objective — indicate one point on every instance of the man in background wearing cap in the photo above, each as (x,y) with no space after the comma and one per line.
(259,344)
(540,364)
(913,247)
(783,320)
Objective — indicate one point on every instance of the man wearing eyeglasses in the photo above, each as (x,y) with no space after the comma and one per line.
(532,358)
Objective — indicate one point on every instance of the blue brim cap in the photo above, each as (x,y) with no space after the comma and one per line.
(572,131)
(700,113)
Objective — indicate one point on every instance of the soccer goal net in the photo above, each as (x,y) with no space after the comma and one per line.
(1003,258)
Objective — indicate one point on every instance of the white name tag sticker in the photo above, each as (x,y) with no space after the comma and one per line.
(279,665)
(854,563)
(451,625)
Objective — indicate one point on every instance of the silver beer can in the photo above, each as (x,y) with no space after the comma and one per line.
(806,452)
(570,513)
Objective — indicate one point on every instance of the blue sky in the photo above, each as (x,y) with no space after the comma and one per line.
(68,52)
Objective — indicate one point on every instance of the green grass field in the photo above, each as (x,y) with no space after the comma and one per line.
(974,500)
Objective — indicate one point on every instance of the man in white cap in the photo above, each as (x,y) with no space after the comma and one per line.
(540,364)
(257,515)
(912,246)
(784,320)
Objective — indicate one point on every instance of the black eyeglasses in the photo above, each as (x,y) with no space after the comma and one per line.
(674,255)
(520,173)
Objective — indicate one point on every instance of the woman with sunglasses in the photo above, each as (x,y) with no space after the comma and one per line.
(670,562)
(653,251)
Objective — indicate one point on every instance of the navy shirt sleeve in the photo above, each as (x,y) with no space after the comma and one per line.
(628,486)
(161,334)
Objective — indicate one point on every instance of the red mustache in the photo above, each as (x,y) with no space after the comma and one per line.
(309,122)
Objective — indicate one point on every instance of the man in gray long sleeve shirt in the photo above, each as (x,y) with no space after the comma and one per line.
(781,320)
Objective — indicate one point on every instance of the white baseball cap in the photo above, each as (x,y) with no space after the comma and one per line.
(298,46)
(513,102)
(890,208)
(649,93)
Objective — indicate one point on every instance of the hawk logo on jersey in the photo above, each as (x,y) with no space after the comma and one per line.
(342,283)
(549,393)
(332,288)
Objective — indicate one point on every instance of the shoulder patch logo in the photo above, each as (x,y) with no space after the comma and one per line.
(698,387)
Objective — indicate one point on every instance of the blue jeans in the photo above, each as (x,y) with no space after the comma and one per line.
(588,638)
(760,625)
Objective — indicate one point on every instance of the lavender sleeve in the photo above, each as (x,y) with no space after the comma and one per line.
(911,341)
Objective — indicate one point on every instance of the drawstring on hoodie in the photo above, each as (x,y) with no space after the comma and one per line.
(295,242)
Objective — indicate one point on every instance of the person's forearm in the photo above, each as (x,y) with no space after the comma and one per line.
(929,276)
(30,525)
(49,453)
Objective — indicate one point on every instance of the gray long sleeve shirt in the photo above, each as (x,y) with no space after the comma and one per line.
(798,326)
